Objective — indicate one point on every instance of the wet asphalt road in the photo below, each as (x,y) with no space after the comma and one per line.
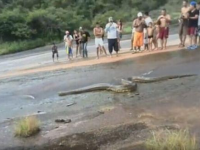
(15,102)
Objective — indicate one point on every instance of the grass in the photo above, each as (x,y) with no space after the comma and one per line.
(171,140)
(13,47)
(27,127)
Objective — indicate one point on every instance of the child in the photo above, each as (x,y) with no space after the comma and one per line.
(54,51)
(150,32)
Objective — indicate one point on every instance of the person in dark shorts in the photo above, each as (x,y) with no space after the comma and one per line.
(193,25)
(77,41)
(183,24)
(112,36)
(54,51)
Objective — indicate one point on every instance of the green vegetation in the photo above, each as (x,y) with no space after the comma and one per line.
(27,127)
(24,21)
(171,140)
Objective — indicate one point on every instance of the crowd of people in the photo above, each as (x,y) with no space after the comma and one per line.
(147,35)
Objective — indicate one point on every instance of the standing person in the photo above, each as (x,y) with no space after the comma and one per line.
(120,30)
(132,36)
(68,45)
(150,31)
(139,25)
(77,40)
(183,24)
(54,51)
(147,18)
(112,36)
(85,36)
(98,33)
(193,25)
(156,35)
(165,20)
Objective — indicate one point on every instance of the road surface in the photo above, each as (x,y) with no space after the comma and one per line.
(42,56)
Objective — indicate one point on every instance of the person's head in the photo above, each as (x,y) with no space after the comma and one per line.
(193,5)
(67,32)
(150,24)
(75,32)
(97,25)
(163,12)
(146,14)
(110,19)
(53,44)
(80,28)
(139,15)
(185,3)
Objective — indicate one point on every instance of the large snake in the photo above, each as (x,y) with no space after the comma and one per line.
(126,86)
(157,79)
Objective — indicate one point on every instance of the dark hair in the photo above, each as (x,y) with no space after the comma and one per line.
(97,23)
(164,9)
(146,13)
(198,3)
(53,43)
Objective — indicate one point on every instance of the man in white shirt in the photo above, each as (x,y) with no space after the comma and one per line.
(112,36)
(147,18)
(68,44)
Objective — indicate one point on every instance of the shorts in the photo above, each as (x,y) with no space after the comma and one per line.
(164,33)
(138,39)
(192,31)
(69,50)
(150,37)
(98,42)
(113,44)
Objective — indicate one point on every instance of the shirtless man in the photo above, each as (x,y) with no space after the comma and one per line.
(139,25)
(183,21)
(165,20)
(98,32)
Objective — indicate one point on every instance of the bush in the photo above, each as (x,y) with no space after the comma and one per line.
(13,47)
(27,127)
(171,140)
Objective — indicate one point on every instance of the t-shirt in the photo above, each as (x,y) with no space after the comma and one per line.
(193,22)
(148,20)
(111,30)
(84,36)
(68,38)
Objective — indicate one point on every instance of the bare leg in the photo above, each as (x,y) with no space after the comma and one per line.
(165,43)
(98,50)
(184,39)
(161,43)
(150,43)
(103,48)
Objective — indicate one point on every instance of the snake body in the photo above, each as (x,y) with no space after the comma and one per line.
(103,87)
(157,79)
(126,86)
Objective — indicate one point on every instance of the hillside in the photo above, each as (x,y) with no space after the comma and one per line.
(34,23)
